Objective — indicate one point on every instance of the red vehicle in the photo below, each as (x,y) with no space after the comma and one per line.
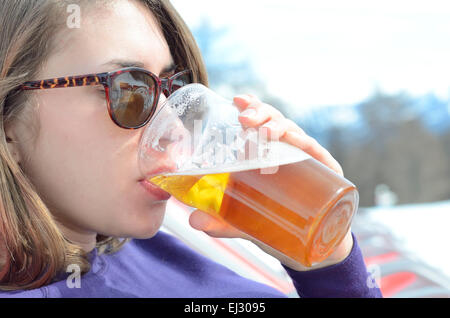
(397,272)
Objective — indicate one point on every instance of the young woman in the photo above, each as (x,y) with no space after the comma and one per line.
(71,190)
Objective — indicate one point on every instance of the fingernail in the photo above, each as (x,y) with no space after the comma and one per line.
(244,97)
(242,100)
(198,221)
(249,113)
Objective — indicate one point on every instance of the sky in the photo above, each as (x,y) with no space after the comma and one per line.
(317,53)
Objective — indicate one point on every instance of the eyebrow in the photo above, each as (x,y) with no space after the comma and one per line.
(131,63)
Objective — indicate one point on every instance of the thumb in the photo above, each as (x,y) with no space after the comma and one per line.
(213,225)
(200,220)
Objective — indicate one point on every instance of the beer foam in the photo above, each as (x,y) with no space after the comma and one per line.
(291,154)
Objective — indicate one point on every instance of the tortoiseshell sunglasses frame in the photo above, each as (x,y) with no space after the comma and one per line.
(106,79)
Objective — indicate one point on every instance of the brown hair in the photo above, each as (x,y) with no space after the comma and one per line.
(33,251)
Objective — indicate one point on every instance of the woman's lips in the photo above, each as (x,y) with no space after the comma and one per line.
(154,190)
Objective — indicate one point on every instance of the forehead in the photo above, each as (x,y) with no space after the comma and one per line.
(125,30)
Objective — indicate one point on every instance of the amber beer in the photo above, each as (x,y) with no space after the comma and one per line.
(303,210)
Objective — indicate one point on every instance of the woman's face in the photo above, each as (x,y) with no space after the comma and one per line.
(82,164)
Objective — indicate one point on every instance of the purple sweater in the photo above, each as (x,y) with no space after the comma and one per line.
(163,266)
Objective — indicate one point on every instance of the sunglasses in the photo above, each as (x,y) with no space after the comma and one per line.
(131,93)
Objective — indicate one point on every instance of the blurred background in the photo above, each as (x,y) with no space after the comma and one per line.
(369,81)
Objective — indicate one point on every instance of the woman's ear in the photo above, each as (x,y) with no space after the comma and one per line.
(13,145)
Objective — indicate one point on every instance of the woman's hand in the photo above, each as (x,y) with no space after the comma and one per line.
(255,114)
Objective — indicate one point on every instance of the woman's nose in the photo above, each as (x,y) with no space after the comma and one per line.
(161,101)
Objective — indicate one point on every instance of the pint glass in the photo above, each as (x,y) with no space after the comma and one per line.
(196,149)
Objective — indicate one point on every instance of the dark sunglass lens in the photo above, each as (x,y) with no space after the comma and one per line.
(181,80)
(132,98)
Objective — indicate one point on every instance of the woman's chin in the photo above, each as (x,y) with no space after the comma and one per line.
(147,232)
(143,224)
(151,222)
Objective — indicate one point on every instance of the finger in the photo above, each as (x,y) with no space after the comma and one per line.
(243,101)
(313,148)
(213,226)
(292,126)
(277,128)
(254,112)
(257,114)
(274,129)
